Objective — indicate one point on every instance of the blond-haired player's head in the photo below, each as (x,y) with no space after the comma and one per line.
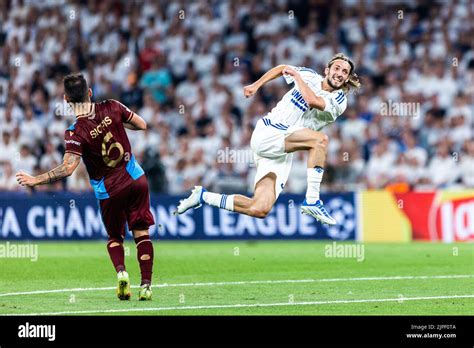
(339,73)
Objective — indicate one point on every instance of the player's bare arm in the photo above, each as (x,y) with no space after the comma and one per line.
(70,163)
(308,95)
(271,74)
(135,123)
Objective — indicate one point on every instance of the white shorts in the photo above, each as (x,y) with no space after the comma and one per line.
(268,146)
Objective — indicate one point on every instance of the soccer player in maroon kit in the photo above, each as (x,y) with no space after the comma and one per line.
(98,136)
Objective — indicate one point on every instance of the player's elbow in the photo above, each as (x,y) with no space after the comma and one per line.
(140,123)
(70,170)
(312,103)
(139,126)
(281,67)
(316,102)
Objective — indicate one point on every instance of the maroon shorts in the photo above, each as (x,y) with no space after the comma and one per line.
(131,205)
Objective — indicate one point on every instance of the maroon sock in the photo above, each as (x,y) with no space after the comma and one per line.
(117,254)
(145,257)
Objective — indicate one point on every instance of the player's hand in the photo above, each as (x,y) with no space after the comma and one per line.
(25,179)
(289,71)
(250,90)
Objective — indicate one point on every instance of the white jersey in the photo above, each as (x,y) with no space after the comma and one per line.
(292,110)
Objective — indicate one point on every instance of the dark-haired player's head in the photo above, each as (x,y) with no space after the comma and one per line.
(76,89)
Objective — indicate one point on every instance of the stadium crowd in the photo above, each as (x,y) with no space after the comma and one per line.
(182,65)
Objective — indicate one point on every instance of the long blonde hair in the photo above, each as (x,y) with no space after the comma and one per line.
(353,81)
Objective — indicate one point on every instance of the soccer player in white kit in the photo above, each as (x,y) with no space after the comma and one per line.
(294,124)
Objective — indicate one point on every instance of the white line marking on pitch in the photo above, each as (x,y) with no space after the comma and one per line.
(278,304)
(251,282)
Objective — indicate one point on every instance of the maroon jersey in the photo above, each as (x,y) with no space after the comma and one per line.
(100,138)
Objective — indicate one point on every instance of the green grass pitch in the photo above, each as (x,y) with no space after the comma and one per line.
(245,278)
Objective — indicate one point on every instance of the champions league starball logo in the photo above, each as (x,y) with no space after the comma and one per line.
(344,213)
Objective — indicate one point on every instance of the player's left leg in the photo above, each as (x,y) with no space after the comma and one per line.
(114,219)
(145,255)
(257,206)
(316,145)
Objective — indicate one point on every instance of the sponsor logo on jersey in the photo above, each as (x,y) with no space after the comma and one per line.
(298,100)
(72,142)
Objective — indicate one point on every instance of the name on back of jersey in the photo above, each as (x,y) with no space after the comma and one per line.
(98,130)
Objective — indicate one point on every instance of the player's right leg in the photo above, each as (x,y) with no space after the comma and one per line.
(114,220)
(316,144)
(258,206)
(139,220)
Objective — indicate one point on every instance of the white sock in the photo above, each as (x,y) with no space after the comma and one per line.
(315,176)
(218,200)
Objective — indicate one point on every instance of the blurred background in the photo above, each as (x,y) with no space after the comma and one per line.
(182,66)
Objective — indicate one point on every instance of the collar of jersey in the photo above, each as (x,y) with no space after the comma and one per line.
(89,114)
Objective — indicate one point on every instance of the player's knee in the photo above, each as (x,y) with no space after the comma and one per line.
(324,140)
(140,233)
(114,244)
(320,140)
(259,210)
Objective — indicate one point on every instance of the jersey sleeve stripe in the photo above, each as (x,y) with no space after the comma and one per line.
(130,117)
(74,152)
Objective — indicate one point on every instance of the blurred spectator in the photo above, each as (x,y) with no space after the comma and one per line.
(414,153)
(380,165)
(79,180)
(31,128)
(155,171)
(466,166)
(157,80)
(50,159)
(442,169)
(27,161)
(7,148)
(7,179)
(353,127)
